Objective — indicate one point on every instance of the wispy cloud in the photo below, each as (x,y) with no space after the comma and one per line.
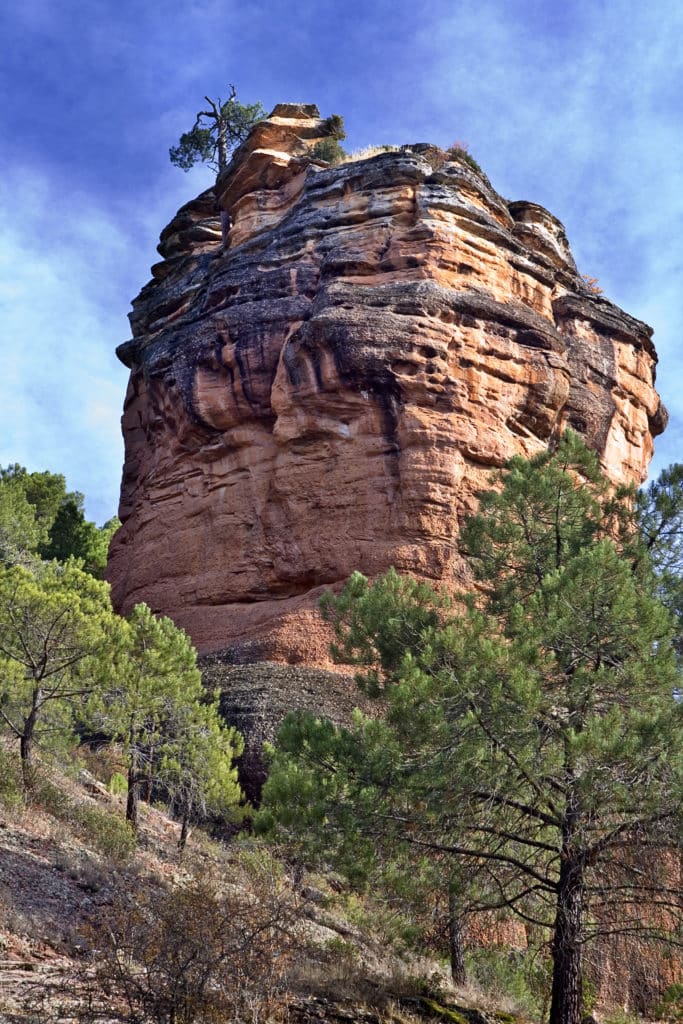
(61,386)
(582,116)
(575,106)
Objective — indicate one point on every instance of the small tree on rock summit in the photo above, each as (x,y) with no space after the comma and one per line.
(216,133)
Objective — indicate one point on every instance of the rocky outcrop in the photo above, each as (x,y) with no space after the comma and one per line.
(326,366)
(256,697)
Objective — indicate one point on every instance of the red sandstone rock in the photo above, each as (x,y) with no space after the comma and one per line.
(328,388)
(325,367)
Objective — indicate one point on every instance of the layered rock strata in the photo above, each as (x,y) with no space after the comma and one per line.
(325,367)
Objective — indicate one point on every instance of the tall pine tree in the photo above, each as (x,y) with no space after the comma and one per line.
(531,734)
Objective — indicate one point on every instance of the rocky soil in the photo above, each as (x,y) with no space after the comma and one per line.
(54,881)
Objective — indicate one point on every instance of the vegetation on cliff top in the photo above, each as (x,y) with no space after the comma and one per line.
(216,132)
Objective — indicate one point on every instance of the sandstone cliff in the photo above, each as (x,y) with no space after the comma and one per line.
(326,366)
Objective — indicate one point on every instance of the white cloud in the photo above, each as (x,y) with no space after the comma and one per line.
(582,117)
(62,315)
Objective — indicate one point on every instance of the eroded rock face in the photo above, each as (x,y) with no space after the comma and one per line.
(326,366)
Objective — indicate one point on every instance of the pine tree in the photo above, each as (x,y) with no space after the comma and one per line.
(40,519)
(57,634)
(197,767)
(157,709)
(531,735)
(216,133)
(660,518)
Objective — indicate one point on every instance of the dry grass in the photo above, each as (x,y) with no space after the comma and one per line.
(369,151)
(56,877)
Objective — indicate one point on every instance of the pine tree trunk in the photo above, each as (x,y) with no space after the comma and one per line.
(456,944)
(567,988)
(133,798)
(26,748)
(132,803)
(184,830)
(26,752)
(26,741)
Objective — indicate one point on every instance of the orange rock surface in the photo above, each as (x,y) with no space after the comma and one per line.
(326,366)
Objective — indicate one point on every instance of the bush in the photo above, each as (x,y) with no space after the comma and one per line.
(522,978)
(194,953)
(10,779)
(104,830)
(458,151)
(50,798)
(108,832)
(118,784)
(334,126)
(328,150)
(670,1006)
(343,955)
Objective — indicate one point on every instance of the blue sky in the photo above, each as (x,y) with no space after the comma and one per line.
(574,104)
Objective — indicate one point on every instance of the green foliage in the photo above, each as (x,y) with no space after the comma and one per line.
(530,733)
(523,978)
(101,829)
(50,797)
(458,151)
(541,513)
(105,830)
(72,536)
(39,518)
(216,132)
(41,495)
(334,127)
(29,503)
(19,531)
(328,150)
(660,517)
(118,784)
(670,1006)
(155,706)
(621,1017)
(10,779)
(57,632)
(342,951)
(376,626)
(197,764)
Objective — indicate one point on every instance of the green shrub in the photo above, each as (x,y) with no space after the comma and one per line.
(50,798)
(334,126)
(328,150)
(670,1006)
(108,832)
(523,978)
(341,951)
(104,830)
(459,152)
(10,779)
(621,1017)
(118,784)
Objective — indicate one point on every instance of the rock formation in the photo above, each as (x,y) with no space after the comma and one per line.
(326,366)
